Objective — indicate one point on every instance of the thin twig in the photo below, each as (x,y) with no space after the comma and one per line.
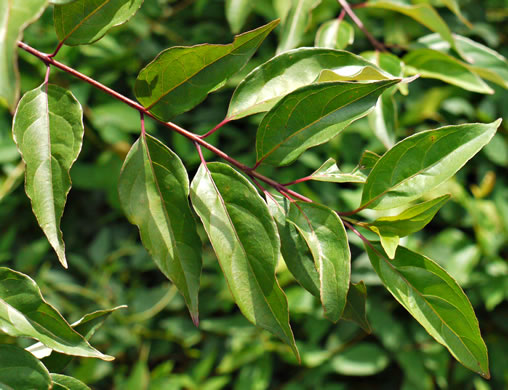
(226,120)
(191,136)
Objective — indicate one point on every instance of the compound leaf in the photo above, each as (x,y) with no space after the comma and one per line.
(154,189)
(421,162)
(436,301)
(48,129)
(245,240)
(179,78)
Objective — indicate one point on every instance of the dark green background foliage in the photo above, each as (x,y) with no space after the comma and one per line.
(154,342)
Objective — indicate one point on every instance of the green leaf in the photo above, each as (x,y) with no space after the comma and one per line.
(61,1)
(295,24)
(283,74)
(154,190)
(353,73)
(63,382)
(245,240)
(415,218)
(383,119)
(15,16)
(301,120)
(335,34)
(421,162)
(453,6)
(368,160)
(293,247)
(237,12)
(326,237)
(361,359)
(484,61)
(424,14)
(25,313)
(83,21)
(48,129)
(355,306)
(179,78)
(436,301)
(437,65)
(21,370)
(330,172)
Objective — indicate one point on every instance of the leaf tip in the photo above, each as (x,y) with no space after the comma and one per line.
(195,319)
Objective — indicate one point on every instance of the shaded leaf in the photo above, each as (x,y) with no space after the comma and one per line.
(330,172)
(335,34)
(21,370)
(245,240)
(326,237)
(368,160)
(283,74)
(355,306)
(237,12)
(15,16)
(179,78)
(421,162)
(294,249)
(63,382)
(48,130)
(83,21)
(25,313)
(301,120)
(295,24)
(453,6)
(154,189)
(437,65)
(436,301)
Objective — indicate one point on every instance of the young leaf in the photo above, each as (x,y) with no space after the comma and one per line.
(15,16)
(355,306)
(313,115)
(335,34)
(283,74)
(48,129)
(83,21)
(63,382)
(390,229)
(436,301)
(293,247)
(421,162)
(25,313)
(179,78)
(383,119)
(326,237)
(154,189)
(434,64)
(295,24)
(237,12)
(245,240)
(21,370)
(330,172)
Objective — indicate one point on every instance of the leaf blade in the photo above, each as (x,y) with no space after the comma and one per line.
(21,370)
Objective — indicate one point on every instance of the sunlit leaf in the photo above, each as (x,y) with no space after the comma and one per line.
(355,306)
(83,21)
(15,16)
(285,73)
(437,65)
(293,247)
(421,162)
(335,34)
(326,237)
(25,313)
(48,129)
(245,240)
(154,189)
(295,24)
(383,120)
(63,382)
(361,359)
(300,120)
(436,301)
(330,172)
(179,78)
(237,12)
(353,73)
(21,370)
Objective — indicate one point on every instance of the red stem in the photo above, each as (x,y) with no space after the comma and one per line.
(142,117)
(378,45)
(48,60)
(303,179)
(226,120)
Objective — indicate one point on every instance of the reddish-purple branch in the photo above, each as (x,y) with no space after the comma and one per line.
(226,120)
(48,60)
(301,180)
